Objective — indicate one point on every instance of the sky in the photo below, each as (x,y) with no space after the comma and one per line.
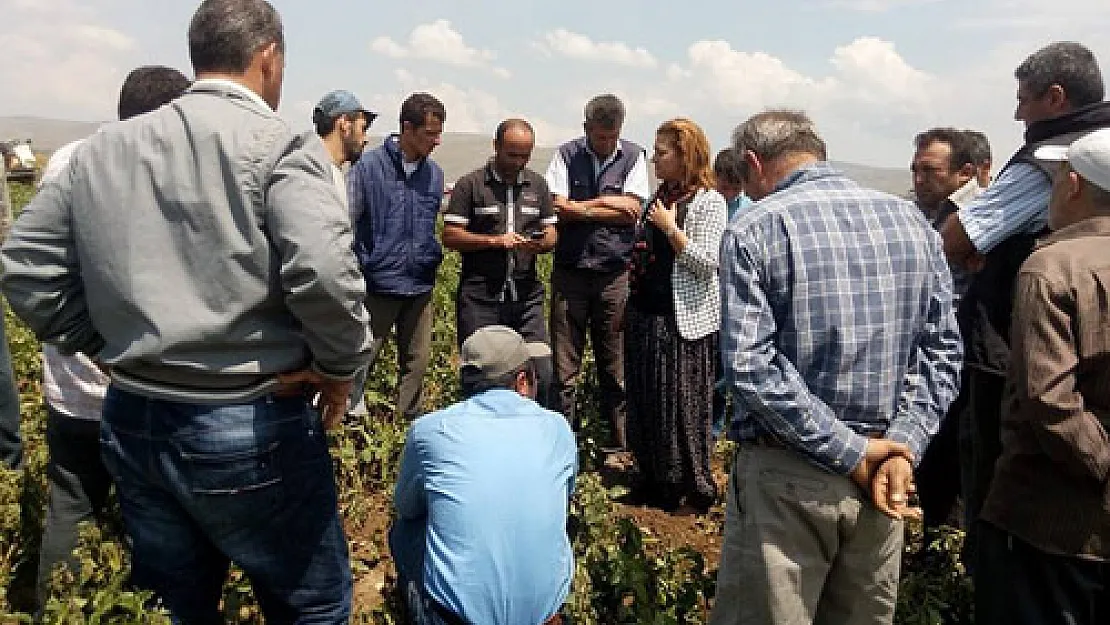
(872,73)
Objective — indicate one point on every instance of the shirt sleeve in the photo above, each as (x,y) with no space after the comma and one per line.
(705,224)
(1015,203)
(933,377)
(636,183)
(557,176)
(320,277)
(41,276)
(547,207)
(768,385)
(1043,374)
(408,496)
(356,195)
(459,207)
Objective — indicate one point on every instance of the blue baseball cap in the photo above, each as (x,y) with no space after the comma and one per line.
(338,103)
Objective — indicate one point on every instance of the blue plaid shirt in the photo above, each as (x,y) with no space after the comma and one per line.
(837,319)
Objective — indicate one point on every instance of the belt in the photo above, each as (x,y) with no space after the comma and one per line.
(450,618)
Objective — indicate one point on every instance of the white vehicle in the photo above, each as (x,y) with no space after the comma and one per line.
(19,159)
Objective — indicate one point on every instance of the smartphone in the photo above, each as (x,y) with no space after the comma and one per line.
(537,235)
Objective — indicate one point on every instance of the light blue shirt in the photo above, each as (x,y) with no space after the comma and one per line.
(737,203)
(1015,203)
(482,500)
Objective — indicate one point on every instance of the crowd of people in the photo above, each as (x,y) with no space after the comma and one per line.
(212,289)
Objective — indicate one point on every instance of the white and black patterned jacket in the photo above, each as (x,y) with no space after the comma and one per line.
(697,290)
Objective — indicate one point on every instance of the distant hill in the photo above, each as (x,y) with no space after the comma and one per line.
(459,154)
(46,135)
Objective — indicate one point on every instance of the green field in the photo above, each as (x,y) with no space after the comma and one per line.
(623,573)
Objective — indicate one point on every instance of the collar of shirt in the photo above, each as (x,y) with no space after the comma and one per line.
(231,85)
(966,194)
(491,174)
(806,173)
(393,148)
(1089,227)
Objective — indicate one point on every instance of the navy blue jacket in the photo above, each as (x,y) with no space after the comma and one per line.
(395,234)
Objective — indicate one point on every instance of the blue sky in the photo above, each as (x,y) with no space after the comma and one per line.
(871,72)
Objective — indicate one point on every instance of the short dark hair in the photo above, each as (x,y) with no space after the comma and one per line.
(775,133)
(729,166)
(149,87)
(980,147)
(325,125)
(224,35)
(509,124)
(1068,64)
(472,383)
(957,141)
(605,111)
(416,108)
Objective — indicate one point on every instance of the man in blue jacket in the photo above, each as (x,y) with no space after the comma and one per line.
(396,191)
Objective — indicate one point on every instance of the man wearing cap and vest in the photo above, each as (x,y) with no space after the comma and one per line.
(482,496)
(342,122)
(1045,527)
(599,182)
(500,218)
(1060,94)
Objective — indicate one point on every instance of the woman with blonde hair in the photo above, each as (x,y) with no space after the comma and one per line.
(671,324)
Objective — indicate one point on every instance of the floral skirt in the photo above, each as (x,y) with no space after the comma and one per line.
(669,383)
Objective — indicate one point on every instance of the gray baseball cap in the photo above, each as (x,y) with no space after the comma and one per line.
(495,351)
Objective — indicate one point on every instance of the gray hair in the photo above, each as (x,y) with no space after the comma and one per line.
(775,133)
(224,35)
(605,111)
(1068,64)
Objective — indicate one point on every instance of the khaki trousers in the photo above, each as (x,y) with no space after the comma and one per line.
(802,546)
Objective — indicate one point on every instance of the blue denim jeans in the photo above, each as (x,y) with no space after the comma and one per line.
(201,486)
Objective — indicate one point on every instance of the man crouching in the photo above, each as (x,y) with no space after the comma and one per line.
(482,496)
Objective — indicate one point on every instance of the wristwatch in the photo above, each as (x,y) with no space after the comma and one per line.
(589,212)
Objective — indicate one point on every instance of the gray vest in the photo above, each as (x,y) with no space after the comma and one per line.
(590,245)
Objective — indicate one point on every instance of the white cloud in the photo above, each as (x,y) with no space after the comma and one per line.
(576,46)
(58,55)
(750,80)
(875,6)
(438,41)
(872,70)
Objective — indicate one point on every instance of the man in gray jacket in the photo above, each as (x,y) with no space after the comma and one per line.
(202,253)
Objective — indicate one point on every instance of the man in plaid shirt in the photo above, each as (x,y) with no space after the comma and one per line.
(839,339)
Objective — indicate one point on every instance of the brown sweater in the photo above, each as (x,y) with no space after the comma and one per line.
(1050,484)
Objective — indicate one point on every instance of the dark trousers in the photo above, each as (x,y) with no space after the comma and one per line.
(590,301)
(1018,584)
(412,317)
(11,445)
(79,486)
(939,476)
(984,431)
(479,303)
